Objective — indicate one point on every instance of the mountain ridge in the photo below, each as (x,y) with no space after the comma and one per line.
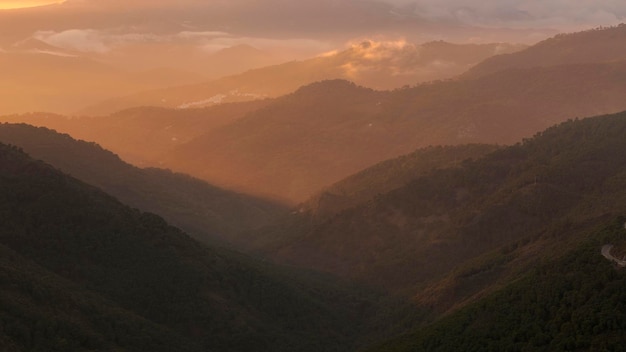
(209,213)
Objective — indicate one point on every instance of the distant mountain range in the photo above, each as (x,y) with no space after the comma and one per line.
(291,147)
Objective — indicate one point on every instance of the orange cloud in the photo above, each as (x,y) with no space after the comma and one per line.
(18,4)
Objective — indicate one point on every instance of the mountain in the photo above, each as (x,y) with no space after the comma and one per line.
(208,213)
(327,131)
(122,279)
(591,46)
(378,65)
(570,302)
(495,215)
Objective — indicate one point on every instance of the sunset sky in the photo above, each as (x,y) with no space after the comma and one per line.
(321,23)
(16,4)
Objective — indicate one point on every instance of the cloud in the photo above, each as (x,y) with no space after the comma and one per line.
(561,14)
(312,45)
(86,40)
(93,41)
(103,41)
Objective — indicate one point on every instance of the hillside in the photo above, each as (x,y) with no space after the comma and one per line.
(378,65)
(133,266)
(591,46)
(207,212)
(531,198)
(573,302)
(387,176)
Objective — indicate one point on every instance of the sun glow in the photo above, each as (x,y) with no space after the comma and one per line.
(18,4)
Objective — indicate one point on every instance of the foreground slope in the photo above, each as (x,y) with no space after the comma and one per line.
(207,212)
(560,182)
(43,311)
(213,298)
(573,302)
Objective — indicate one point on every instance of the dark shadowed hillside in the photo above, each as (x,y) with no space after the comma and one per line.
(44,311)
(208,212)
(107,261)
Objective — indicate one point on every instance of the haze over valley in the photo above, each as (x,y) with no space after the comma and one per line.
(360,175)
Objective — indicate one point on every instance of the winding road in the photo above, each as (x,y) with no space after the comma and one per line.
(606,252)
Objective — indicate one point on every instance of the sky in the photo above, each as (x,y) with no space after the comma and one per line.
(306,26)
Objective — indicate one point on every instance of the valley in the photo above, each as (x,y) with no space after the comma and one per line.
(378,176)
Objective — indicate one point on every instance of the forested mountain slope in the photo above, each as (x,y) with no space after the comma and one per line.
(387,176)
(573,302)
(107,260)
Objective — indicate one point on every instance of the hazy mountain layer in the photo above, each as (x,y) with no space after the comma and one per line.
(141,135)
(305,141)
